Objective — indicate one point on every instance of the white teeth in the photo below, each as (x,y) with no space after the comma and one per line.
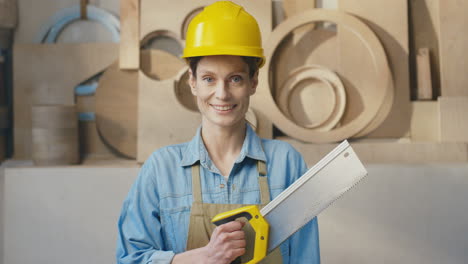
(223,108)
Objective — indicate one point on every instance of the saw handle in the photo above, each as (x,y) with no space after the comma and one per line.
(258,223)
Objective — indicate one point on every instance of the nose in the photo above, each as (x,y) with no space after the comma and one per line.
(222,91)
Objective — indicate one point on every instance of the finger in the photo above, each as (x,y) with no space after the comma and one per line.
(242,222)
(237,253)
(236,235)
(230,227)
(236,244)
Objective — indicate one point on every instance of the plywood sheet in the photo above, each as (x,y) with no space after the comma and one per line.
(316,47)
(423,65)
(35,13)
(425,121)
(293,7)
(117,99)
(162,119)
(388,19)
(116,109)
(379,151)
(173,16)
(91,145)
(453,42)
(48,74)
(129,34)
(454,119)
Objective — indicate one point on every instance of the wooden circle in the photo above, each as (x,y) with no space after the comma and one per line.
(375,96)
(327,110)
(184,94)
(311,102)
(116,109)
(160,65)
(163,40)
(318,86)
(54,135)
(117,99)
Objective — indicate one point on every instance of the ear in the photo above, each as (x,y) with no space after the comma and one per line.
(254,83)
(192,81)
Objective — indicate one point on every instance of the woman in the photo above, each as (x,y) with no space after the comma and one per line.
(166,216)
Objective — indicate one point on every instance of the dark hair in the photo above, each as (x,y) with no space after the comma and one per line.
(252,63)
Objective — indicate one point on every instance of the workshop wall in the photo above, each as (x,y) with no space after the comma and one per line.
(410,209)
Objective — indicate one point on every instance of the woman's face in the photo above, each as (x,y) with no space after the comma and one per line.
(223,87)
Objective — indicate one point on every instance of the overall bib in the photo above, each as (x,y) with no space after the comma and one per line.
(201,228)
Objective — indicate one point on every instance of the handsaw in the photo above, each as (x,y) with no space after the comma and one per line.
(293,208)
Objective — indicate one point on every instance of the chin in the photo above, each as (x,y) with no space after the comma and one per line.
(226,123)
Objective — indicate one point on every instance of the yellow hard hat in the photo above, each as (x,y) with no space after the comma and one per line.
(224,28)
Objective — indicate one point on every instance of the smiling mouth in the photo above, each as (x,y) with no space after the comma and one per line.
(223,107)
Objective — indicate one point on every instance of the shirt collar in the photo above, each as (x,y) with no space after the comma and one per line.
(196,150)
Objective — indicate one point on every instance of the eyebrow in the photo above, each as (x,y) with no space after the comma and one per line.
(231,73)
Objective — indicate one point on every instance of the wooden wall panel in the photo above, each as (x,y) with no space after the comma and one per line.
(424,80)
(453,42)
(315,47)
(41,75)
(162,120)
(293,7)
(379,151)
(425,121)
(454,119)
(129,34)
(33,14)
(388,19)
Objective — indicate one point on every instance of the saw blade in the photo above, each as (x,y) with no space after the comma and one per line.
(314,191)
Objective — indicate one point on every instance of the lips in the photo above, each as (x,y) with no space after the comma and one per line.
(223,107)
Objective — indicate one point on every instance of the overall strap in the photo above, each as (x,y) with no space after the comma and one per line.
(196,185)
(263,182)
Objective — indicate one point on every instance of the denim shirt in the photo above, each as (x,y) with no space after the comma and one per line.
(154,221)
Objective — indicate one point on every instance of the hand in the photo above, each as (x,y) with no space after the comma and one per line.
(226,244)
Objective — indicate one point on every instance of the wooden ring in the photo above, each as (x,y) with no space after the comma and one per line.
(330,79)
(383,74)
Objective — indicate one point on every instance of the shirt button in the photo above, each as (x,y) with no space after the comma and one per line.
(221,185)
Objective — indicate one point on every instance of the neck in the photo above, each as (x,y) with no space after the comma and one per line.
(223,143)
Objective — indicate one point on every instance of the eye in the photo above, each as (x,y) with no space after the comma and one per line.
(236,79)
(208,79)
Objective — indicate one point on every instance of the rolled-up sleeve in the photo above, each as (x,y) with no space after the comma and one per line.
(140,240)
